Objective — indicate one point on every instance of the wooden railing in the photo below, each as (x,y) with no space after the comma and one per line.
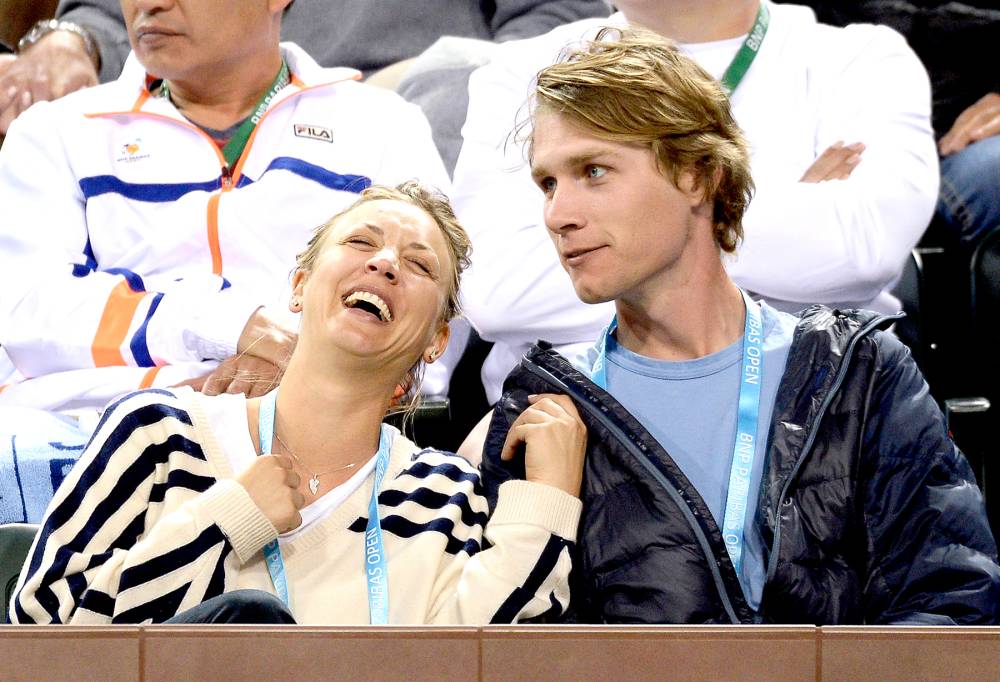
(498,653)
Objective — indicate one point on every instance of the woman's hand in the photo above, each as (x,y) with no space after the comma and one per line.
(274,488)
(555,441)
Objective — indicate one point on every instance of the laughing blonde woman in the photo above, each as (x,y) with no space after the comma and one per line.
(303,506)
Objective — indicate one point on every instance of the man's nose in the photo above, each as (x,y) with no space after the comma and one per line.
(563,210)
(152,6)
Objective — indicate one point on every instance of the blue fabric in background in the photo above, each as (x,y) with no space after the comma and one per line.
(970,192)
(37,451)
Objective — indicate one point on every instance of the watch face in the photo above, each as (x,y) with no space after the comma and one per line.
(35,33)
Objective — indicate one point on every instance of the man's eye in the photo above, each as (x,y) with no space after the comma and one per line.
(547,184)
(596,171)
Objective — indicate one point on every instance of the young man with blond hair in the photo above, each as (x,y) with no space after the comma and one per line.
(842,153)
(744,464)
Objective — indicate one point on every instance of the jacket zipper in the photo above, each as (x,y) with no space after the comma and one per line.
(772,563)
(660,478)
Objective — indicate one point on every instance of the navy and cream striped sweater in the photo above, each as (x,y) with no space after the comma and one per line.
(150,522)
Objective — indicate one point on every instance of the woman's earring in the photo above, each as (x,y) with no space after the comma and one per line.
(431,357)
(296,303)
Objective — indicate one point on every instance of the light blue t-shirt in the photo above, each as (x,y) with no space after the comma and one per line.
(690,408)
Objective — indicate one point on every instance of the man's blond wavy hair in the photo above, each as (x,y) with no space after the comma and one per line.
(634,86)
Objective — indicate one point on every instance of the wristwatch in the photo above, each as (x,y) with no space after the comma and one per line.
(46,26)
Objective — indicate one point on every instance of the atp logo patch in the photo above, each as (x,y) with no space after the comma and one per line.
(313,132)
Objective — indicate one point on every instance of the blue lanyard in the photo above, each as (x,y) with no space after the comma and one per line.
(748,411)
(374,555)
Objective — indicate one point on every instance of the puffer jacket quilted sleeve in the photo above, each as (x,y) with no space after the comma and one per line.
(931,556)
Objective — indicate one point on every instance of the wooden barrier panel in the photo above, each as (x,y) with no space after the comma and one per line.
(69,652)
(496,653)
(656,652)
(856,654)
(301,653)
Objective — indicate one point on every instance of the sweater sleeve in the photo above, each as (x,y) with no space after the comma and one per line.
(103,20)
(524,570)
(141,529)
(59,309)
(931,556)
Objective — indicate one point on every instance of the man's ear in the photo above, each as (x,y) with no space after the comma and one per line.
(695,188)
(438,343)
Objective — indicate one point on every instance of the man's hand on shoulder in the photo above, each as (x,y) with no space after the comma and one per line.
(267,338)
(837,162)
(262,355)
(56,65)
(978,122)
(246,374)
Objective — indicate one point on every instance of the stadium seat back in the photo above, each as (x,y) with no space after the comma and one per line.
(985,271)
(985,309)
(15,542)
(909,290)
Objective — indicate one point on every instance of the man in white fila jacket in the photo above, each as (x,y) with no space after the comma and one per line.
(150,223)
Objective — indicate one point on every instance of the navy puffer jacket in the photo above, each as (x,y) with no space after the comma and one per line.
(870,512)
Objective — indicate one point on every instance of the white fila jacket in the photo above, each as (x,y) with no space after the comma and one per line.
(132,256)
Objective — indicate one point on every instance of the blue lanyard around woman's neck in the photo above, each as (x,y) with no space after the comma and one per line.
(748,411)
(374,555)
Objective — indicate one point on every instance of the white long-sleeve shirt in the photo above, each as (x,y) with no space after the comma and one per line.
(132,255)
(842,243)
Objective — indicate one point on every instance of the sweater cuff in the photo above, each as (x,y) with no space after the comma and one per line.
(241,520)
(540,505)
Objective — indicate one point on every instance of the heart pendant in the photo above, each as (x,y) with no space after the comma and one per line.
(313,485)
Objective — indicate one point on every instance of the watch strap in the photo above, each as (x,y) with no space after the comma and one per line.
(45,26)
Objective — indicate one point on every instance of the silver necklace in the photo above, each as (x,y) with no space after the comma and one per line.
(313,478)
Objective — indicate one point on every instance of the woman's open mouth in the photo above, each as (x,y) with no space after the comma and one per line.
(370,303)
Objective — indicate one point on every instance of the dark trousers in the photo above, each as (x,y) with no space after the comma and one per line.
(238,607)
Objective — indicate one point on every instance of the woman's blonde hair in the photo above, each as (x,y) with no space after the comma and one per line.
(436,205)
(633,86)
